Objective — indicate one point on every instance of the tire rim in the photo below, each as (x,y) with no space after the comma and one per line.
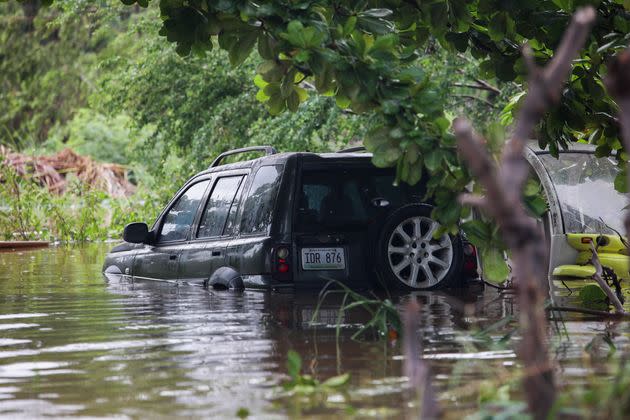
(415,257)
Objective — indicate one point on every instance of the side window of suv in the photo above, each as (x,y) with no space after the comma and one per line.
(180,217)
(218,207)
(261,201)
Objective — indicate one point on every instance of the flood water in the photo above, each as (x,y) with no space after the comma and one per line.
(75,344)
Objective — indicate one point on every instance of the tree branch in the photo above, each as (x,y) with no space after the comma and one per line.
(523,236)
(481,85)
(586,311)
(599,271)
(477,98)
(415,368)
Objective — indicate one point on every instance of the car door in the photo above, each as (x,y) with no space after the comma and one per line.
(205,252)
(159,260)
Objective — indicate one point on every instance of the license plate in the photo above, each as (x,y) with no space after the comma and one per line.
(323,259)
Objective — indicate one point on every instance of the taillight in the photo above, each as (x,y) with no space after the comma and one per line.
(470,250)
(470,260)
(282,253)
(282,262)
(283,267)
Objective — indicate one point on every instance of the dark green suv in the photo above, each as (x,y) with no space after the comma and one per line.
(291,219)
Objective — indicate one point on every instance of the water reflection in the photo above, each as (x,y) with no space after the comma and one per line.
(73,343)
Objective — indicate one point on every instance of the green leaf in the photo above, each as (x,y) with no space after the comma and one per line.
(621,182)
(266,47)
(536,205)
(478,232)
(384,43)
(376,138)
(532,188)
(592,294)
(260,82)
(240,50)
(414,174)
(376,13)
(566,5)
(495,268)
(337,381)
(498,26)
(342,102)
(376,26)
(294,364)
(433,160)
(349,26)
(293,101)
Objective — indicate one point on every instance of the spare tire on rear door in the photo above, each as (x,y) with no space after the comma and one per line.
(409,258)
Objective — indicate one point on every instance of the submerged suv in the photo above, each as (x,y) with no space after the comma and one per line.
(293,219)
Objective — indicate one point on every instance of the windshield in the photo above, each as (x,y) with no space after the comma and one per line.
(585,188)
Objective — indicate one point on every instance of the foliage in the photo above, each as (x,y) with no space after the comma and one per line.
(47,67)
(29,211)
(485,235)
(300,384)
(591,295)
(118,94)
(198,107)
(364,54)
(107,139)
(384,317)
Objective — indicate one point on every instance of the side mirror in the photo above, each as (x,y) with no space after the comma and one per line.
(136,233)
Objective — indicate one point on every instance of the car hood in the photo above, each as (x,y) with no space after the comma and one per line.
(125,246)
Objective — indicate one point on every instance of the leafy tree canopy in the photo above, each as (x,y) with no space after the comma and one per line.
(364,53)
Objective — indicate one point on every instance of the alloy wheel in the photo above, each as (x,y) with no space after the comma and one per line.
(415,257)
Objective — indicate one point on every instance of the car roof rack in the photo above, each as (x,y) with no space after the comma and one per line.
(269,150)
(352,149)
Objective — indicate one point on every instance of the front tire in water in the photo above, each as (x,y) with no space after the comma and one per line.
(408,256)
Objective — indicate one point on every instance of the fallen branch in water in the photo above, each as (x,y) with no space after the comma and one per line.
(598,277)
(415,368)
(503,187)
(586,311)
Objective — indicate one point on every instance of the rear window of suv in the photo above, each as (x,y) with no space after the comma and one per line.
(340,197)
(261,200)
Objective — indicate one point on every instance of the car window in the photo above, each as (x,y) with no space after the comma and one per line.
(231,225)
(260,203)
(340,197)
(181,215)
(585,186)
(331,202)
(218,207)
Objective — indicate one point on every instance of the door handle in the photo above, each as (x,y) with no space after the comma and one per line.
(172,257)
(216,253)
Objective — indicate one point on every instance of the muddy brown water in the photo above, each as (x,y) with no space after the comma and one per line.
(75,344)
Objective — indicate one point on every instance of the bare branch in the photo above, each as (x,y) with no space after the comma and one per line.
(488,86)
(477,98)
(480,85)
(598,277)
(528,57)
(415,368)
(586,311)
(473,200)
(521,233)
